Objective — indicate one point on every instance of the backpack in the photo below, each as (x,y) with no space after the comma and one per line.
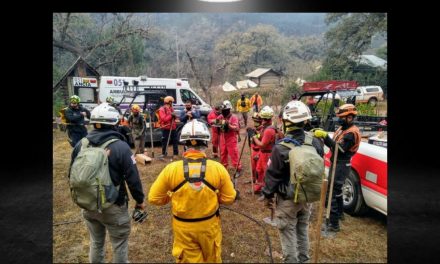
(91,187)
(306,170)
(243,103)
(62,114)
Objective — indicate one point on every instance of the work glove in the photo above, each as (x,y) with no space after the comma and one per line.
(139,215)
(173,115)
(268,202)
(256,157)
(258,135)
(319,133)
(251,132)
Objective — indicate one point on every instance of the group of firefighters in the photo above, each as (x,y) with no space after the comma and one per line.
(197,185)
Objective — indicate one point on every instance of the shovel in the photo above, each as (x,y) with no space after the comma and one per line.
(332,181)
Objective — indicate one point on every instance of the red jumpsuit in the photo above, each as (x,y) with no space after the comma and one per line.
(255,150)
(212,116)
(229,142)
(268,140)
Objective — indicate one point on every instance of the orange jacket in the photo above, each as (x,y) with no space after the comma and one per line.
(259,100)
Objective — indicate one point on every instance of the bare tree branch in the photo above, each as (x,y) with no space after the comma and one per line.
(196,73)
(66,25)
(69,47)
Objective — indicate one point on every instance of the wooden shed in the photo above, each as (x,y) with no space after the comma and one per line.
(80,79)
(265,77)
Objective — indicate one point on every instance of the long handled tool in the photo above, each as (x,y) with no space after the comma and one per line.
(151,134)
(332,182)
(169,136)
(236,168)
(320,211)
(250,168)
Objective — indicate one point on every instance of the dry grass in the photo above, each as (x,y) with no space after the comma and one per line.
(361,239)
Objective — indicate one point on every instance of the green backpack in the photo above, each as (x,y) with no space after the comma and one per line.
(306,170)
(91,187)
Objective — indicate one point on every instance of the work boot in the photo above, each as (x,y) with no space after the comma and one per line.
(261,198)
(342,218)
(330,227)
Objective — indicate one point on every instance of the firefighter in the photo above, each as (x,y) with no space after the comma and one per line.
(189,112)
(212,121)
(167,119)
(195,186)
(292,218)
(138,128)
(243,107)
(111,101)
(75,114)
(349,138)
(254,148)
(229,137)
(265,142)
(256,102)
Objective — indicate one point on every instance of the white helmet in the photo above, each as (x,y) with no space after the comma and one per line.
(266,112)
(104,114)
(227,104)
(296,112)
(193,131)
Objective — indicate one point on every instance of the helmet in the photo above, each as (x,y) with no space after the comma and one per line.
(104,114)
(256,117)
(168,99)
(136,108)
(75,99)
(345,110)
(227,105)
(110,99)
(296,112)
(266,112)
(195,131)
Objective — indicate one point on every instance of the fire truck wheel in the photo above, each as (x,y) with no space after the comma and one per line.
(354,203)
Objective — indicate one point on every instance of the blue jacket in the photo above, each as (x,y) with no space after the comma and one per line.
(184,118)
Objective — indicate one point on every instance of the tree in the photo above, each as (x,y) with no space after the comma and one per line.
(349,36)
(104,40)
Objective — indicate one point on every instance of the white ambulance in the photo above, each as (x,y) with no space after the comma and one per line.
(179,89)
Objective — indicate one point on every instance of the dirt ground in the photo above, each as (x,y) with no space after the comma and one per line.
(362,239)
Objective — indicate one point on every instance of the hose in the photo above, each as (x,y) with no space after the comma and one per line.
(258,223)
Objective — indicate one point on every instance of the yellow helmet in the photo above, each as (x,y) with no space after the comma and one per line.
(135,108)
(345,110)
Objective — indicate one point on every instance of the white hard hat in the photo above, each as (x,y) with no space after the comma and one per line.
(296,112)
(104,114)
(266,112)
(227,104)
(195,130)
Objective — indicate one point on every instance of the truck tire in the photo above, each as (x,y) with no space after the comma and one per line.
(372,101)
(354,203)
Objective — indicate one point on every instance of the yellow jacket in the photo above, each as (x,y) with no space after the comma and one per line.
(245,108)
(190,201)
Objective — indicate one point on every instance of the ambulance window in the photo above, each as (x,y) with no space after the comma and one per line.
(86,95)
(171,92)
(186,94)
